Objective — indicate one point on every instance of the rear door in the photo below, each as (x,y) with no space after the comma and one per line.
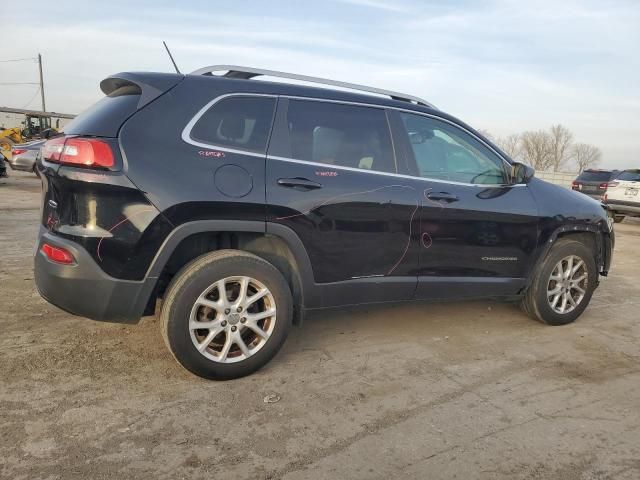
(331,179)
(477,231)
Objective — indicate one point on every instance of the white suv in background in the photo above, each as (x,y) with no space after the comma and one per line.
(623,195)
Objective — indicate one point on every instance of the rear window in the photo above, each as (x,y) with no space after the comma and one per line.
(342,135)
(630,176)
(593,176)
(238,122)
(104,118)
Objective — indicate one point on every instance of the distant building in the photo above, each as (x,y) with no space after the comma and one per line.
(16,119)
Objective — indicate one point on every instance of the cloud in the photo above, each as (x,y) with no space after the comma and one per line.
(504,66)
(387,5)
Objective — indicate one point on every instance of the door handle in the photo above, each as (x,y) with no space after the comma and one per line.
(442,196)
(299,183)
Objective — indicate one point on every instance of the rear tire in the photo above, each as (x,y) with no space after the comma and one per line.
(618,218)
(239,333)
(551,284)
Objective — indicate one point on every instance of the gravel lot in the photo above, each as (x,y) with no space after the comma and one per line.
(473,390)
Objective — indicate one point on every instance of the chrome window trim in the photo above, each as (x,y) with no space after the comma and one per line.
(186,132)
(186,137)
(395,175)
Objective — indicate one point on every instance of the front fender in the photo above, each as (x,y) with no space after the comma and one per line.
(603,243)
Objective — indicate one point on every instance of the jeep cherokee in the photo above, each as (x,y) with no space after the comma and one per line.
(241,204)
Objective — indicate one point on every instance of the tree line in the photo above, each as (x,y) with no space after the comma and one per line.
(552,149)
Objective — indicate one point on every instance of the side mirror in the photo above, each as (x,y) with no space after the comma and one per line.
(521,173)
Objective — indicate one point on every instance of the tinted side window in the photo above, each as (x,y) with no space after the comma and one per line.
(442,151)
(630,176)
(237,122)
(343,135)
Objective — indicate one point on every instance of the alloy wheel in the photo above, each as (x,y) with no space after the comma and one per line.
(567,284)
(232,319)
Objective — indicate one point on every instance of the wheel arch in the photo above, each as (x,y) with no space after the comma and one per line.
(275,243)
(588,235)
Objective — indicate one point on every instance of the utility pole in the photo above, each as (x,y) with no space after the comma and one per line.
(41,82)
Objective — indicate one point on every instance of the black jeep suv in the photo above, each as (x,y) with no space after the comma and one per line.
(242,203)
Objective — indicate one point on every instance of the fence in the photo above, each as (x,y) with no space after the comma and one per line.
(558,178)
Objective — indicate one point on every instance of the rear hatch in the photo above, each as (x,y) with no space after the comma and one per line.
(626,187)
(592,182)
(87,196)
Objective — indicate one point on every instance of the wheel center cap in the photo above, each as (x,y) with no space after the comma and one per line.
(233,318)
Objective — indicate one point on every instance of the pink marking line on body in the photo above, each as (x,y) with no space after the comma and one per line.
(126,219)
(427,241)
(406,248)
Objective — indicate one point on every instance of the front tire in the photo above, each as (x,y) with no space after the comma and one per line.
(226,314)
(563,284)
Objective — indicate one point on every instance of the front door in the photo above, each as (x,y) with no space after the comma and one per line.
(330,179)
(477,230)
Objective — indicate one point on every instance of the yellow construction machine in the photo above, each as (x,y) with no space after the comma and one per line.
(35,125)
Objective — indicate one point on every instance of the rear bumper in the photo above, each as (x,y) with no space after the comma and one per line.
(623,207)
(84,289)
(595,195)
(22,162)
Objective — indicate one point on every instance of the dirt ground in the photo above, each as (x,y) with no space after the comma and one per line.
(473,390)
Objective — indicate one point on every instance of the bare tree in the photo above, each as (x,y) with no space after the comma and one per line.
(547,150)
(560,145)
(487,134)
(585,155)
(511,145)
(536,149)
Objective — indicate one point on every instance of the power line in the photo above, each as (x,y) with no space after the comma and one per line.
(32,98)
(18,60)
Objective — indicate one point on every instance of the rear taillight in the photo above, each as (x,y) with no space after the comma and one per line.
(18,151)
(603,186)
(85,152)
(52,149)
(88,152)
(613,184)
(57,254)
(574,185)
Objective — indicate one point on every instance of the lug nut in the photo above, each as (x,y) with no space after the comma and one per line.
(233,329)
(239,309)
(226,311)
(224,323)
(243,320)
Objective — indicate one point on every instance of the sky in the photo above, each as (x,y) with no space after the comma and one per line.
(502,66)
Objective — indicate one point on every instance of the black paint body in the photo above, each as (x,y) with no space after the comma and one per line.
(354,237)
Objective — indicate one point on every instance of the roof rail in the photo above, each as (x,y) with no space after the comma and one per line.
(235,71)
